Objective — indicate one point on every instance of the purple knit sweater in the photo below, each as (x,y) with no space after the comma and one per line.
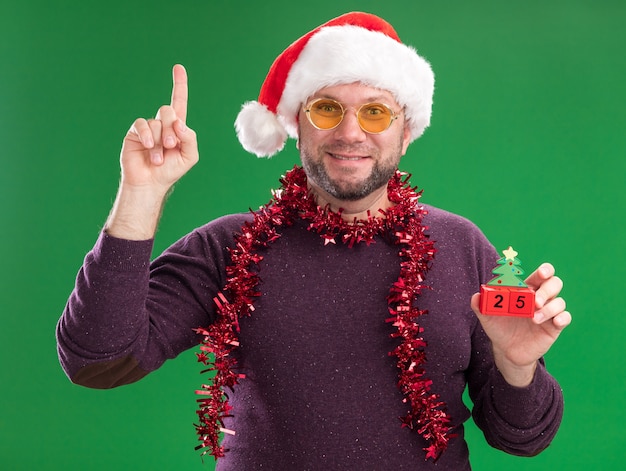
(320,389)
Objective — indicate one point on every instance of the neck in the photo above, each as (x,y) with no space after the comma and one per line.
(362,209)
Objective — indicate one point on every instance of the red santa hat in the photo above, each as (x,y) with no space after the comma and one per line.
(355,47)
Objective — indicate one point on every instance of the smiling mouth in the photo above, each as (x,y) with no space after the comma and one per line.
(346,157)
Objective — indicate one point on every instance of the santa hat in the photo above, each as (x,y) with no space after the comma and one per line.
(355,47)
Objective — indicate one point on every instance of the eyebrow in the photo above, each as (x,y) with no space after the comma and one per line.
(369,99)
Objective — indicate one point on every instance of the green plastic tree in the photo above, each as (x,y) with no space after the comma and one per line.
(508,270)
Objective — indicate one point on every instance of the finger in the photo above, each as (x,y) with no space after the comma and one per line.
(167,116)
(558,322)
(541,274)
(562,320)
(180,92)
(550,310)
(549,289)
(156,152)
(188,141)
(141,129)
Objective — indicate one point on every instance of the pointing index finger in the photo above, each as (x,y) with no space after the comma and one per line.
(180,92)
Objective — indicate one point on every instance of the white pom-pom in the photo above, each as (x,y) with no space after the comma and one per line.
(259,130)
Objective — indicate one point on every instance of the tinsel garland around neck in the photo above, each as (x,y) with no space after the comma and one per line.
(426,413)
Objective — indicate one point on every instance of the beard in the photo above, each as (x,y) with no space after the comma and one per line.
(383,169)
(378,177)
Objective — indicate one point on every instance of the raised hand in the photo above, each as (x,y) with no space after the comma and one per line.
(156,153)
(161,150)
(519,342)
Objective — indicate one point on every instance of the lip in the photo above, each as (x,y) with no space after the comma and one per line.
(347,158)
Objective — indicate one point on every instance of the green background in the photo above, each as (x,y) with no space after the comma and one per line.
(527,140)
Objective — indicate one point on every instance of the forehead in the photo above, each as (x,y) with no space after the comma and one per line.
(354,93)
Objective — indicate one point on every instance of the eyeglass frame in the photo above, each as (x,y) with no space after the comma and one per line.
(307,111)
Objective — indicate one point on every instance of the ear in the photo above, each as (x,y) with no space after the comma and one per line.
(406,138)
(298,129)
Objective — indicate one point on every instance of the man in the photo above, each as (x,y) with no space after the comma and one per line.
(341,320)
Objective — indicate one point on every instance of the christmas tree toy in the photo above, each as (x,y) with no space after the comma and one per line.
(507,294)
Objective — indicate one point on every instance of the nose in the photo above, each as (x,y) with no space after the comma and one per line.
(349,129)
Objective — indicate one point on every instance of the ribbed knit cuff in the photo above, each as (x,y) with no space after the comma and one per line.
(122,255)
(524,407)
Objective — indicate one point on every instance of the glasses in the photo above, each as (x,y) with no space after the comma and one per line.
(326,114)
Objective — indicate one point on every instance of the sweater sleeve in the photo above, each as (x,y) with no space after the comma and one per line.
(127,315)
(519,421)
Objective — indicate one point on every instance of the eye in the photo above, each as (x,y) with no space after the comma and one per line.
(328,107)
(374,111)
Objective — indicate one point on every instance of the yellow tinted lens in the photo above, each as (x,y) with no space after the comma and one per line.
(325,114)
(374,117)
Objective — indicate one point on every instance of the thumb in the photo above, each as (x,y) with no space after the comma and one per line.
(475,303)
(187,138)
